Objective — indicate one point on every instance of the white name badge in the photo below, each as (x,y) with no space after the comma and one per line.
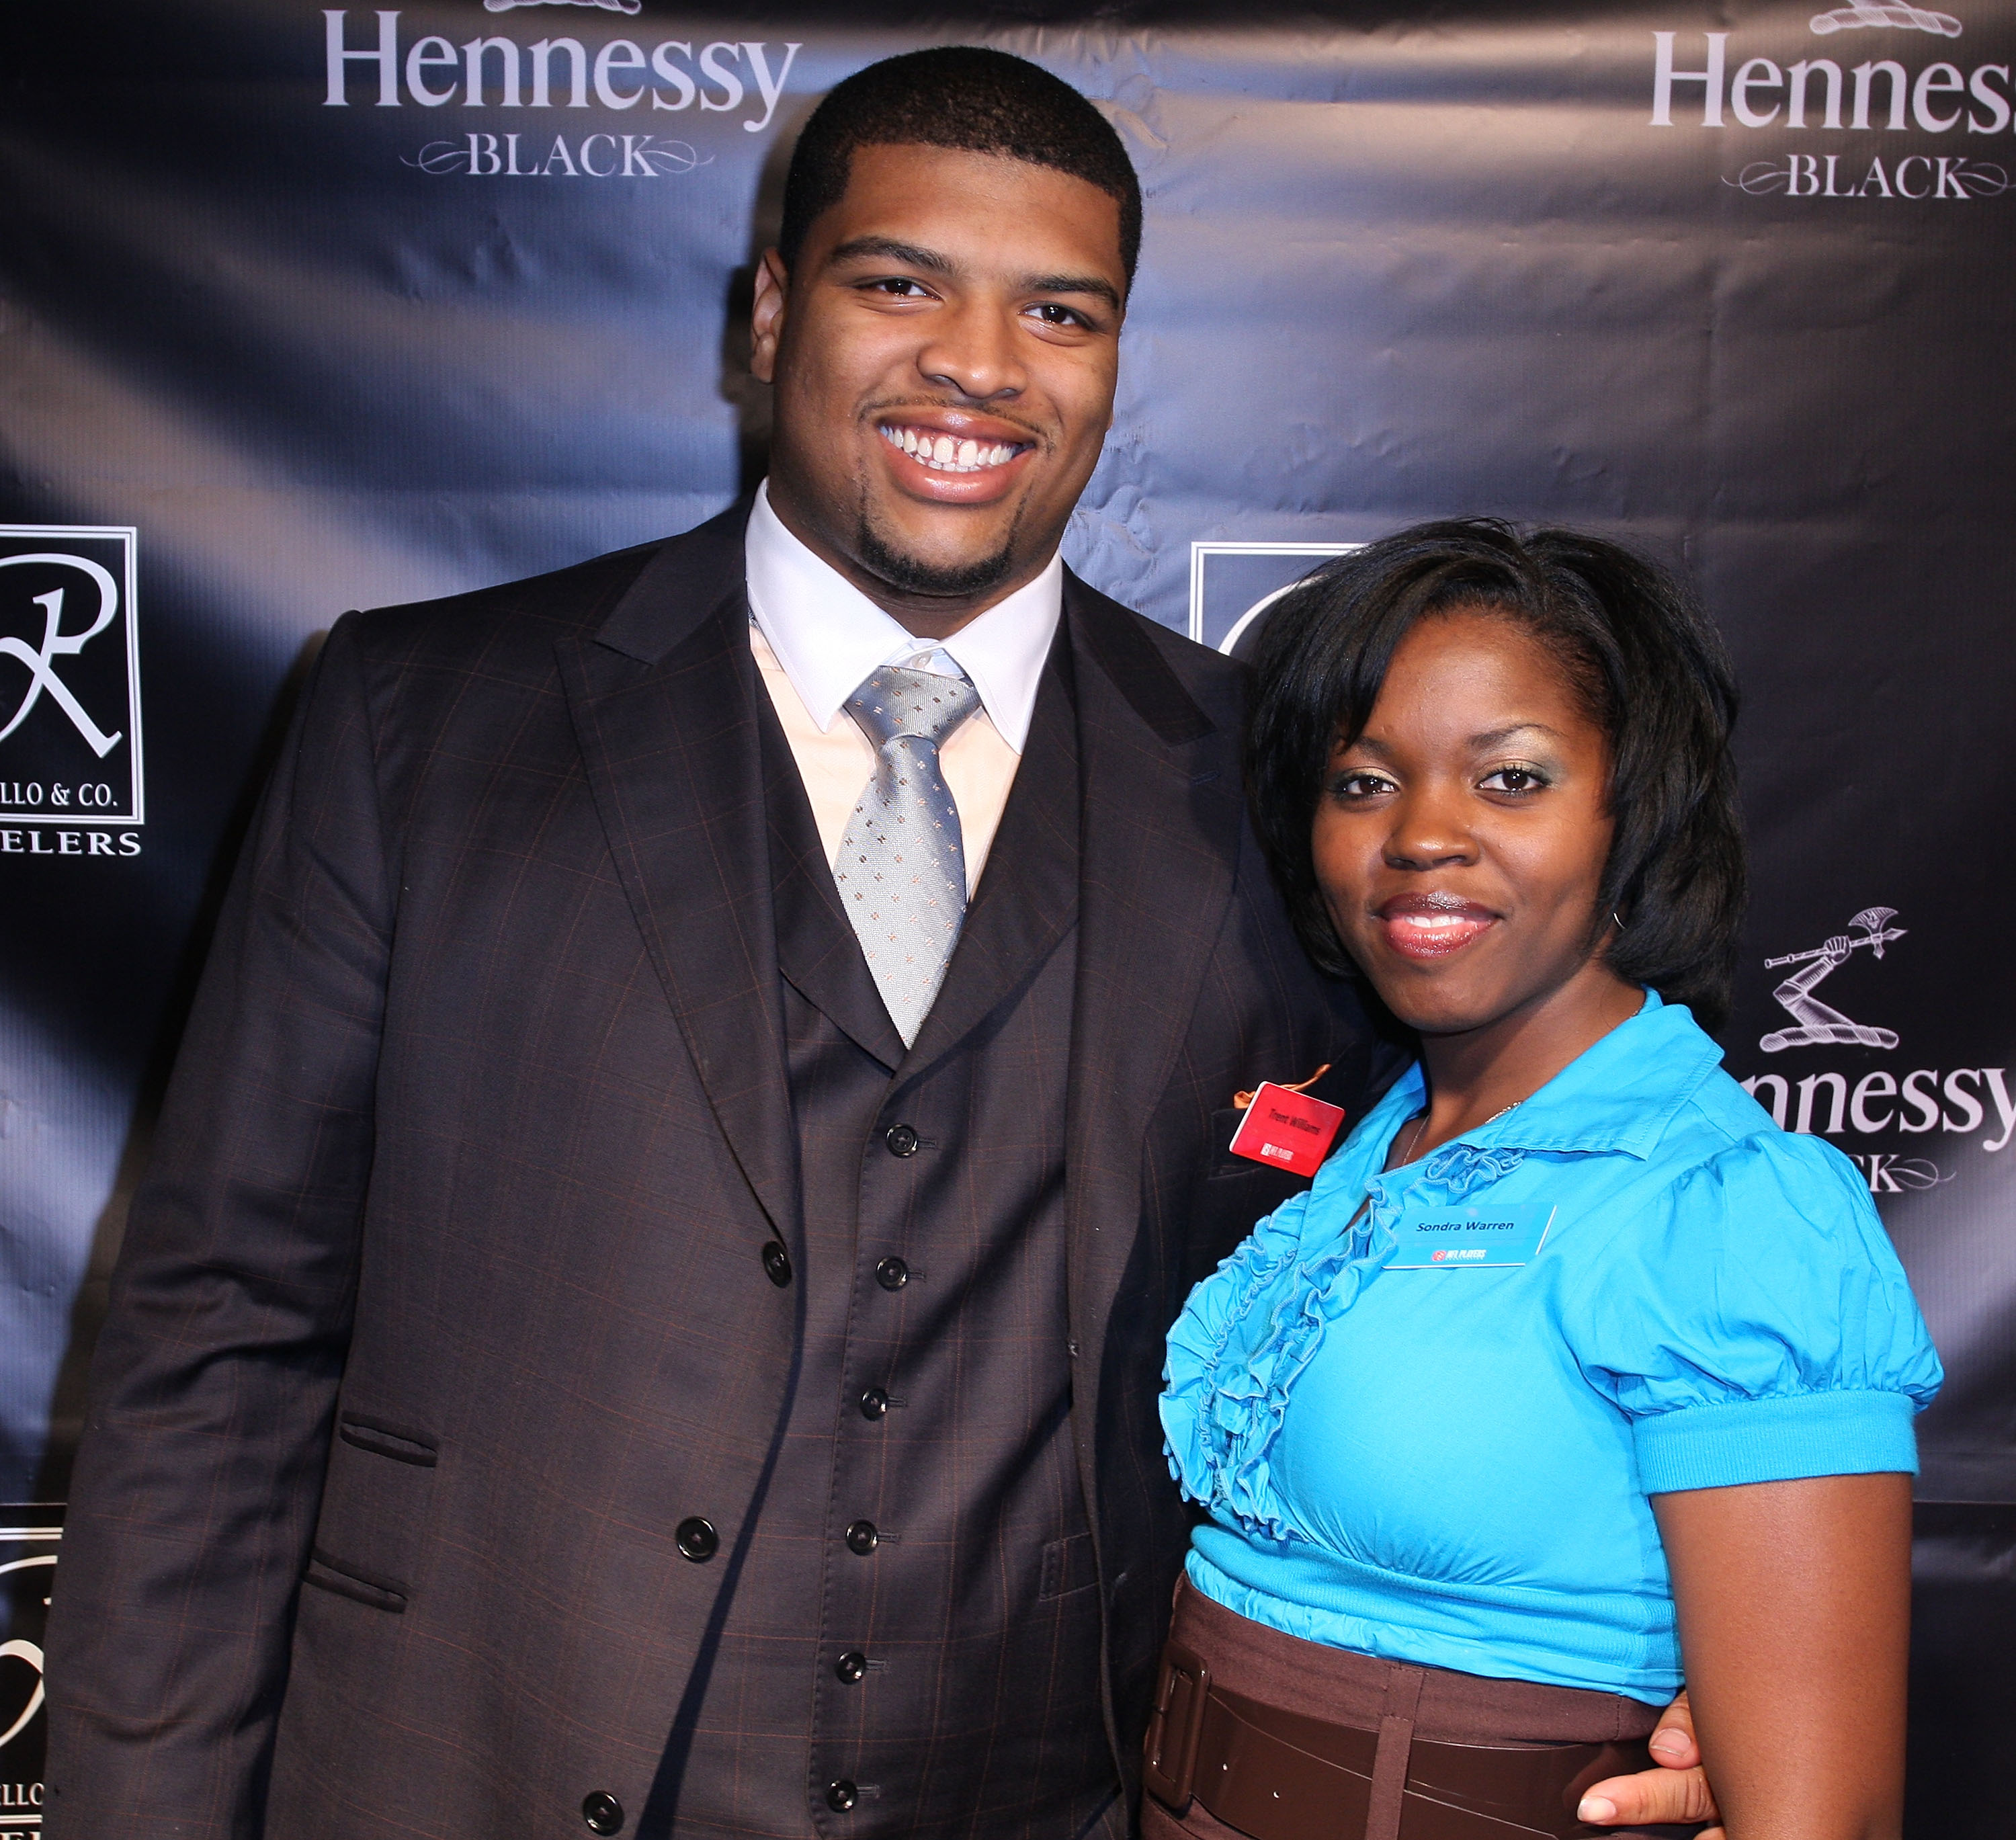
(1488,1237)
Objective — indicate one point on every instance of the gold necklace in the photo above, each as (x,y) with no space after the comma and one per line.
(1421,1124)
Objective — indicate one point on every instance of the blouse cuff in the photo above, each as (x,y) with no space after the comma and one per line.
(1777,1440)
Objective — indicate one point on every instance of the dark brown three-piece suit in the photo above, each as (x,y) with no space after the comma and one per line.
(687,1410)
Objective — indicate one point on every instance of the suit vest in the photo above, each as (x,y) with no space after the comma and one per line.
(912,1647)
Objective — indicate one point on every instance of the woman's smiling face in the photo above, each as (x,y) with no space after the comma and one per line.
(1459,841)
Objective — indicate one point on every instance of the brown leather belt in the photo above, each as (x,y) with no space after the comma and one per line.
(1284,1776)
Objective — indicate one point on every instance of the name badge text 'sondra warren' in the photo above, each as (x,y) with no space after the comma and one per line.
(1487,1236)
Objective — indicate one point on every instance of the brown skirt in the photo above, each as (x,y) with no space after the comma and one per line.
(1265,1681)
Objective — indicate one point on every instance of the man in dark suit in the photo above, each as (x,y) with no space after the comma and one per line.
(669,1251)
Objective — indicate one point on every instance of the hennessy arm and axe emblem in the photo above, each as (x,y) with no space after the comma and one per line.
(1819,1023)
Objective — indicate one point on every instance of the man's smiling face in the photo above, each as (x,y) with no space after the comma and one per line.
(943,352)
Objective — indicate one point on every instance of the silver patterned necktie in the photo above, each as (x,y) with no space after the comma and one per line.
(902,871)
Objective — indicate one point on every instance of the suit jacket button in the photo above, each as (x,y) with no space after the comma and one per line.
(777,1263)
(851,1667)
(874,1402)
(841,1796)
(892,1274)
(603,1812)
(861,1538)
(697,1541)
(902,1140)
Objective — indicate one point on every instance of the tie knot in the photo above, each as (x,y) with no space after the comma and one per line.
(921,704)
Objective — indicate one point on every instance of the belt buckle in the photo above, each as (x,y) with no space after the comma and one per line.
(1170,1754)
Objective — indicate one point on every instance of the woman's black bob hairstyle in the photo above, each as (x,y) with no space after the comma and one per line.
(1648,666)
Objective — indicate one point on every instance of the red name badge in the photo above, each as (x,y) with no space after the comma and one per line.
(1287,1129)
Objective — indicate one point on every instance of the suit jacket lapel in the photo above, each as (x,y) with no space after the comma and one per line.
(664,702)
(1161,836)
(816,949)
(1028,895)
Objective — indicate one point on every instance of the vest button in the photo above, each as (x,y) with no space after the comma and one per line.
(861,1538)
(697,1541)
(902,1140)
(874,1402)
(851,1667)
(892,1274)
(777,1263)
(603,1812)
(841,1796)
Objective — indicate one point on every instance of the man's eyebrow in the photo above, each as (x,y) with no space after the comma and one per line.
(1097,285)
(909,254)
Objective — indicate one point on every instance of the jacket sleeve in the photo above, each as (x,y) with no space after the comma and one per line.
(214,1381)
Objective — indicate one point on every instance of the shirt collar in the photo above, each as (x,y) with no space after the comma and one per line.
(1619,1094)
(828,635)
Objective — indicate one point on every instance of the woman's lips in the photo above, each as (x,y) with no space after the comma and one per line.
(1427,927)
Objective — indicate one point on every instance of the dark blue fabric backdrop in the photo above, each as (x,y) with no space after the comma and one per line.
(302,309)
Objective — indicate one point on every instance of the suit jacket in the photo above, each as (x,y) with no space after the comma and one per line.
(446,1297)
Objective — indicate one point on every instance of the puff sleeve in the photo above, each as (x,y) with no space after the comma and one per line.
(1754,1324)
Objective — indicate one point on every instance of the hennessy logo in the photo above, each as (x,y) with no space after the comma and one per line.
(727,76)
(1862,1102)
(1879,96)
(1856,18)
(1817,1023)
(55,644)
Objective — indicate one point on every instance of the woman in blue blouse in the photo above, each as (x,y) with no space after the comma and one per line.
(1571,1364)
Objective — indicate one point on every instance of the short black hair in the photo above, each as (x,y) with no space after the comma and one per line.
(1647,665)
(962,96)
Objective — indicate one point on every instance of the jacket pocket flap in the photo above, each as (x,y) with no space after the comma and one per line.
(380,1593)
(398,1442)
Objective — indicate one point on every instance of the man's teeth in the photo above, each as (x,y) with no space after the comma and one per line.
(943,454)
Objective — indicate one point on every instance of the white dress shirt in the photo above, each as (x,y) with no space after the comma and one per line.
(816,637)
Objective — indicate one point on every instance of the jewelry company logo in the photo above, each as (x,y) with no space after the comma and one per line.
(29,1537)
(1879,96)
(69,689)
(1233,585)
(1954,1101)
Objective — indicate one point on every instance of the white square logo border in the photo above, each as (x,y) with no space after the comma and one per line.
(27,797)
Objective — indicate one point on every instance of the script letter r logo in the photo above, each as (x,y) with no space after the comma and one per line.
(57,643)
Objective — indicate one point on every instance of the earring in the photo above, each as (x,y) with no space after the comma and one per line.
(1617,922)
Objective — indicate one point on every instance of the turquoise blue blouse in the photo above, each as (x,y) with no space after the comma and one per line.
(1450,1465)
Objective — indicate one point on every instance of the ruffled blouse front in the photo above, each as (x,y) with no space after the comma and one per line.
(1453,1466)
(1250,1329)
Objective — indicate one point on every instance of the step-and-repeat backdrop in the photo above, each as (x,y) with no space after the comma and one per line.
(303,308)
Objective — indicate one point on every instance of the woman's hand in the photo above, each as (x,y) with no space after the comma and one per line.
(1794,1602)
